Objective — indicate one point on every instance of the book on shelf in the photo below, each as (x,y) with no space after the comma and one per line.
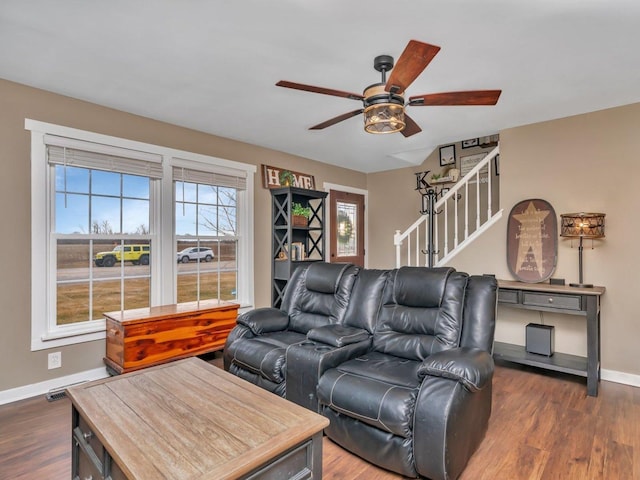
(298,251)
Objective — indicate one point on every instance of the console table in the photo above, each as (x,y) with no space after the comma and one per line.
(544,297)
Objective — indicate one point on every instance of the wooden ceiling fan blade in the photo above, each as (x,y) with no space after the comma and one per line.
(313,89)
(412,62)
(337,119)
(411,127)
(474,97)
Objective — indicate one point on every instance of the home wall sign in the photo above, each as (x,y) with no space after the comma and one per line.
(271,178)
(532,241)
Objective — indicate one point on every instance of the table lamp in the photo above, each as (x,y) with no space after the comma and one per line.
(582,225)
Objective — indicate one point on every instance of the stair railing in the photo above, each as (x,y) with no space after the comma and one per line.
(451,223)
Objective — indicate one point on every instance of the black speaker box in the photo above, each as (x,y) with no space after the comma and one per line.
(539,339)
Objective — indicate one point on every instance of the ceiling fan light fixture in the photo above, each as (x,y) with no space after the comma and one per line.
(384,111)
(383,102)
(384,118)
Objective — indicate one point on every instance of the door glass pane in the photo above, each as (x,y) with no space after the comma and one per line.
(347,229)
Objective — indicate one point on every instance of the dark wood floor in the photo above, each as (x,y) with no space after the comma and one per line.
(543,426)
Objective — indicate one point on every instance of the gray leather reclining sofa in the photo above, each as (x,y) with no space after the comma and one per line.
(398,360)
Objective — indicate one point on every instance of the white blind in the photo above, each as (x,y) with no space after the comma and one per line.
(73,153)
(181,174)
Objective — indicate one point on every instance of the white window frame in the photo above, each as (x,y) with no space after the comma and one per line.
(163,274)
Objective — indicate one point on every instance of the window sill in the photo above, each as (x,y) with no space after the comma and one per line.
(69,336)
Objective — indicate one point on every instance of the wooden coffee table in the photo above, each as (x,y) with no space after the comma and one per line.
(191,420)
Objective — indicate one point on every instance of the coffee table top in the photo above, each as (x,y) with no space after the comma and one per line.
(190,420)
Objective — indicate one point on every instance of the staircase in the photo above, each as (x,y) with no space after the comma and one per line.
(461,215)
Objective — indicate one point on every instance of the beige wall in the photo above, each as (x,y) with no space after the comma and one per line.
(585,163)
(18,365)
(581,163)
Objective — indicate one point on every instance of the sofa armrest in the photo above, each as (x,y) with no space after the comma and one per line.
(264,320)
(472,367)
(338,335)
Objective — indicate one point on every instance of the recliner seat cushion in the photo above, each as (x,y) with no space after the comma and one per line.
(265,355)
(377,389)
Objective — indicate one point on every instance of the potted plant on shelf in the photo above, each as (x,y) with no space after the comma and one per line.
(287,179)
(300,215)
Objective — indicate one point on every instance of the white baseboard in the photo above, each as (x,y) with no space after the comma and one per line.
(620,377)
(20,393)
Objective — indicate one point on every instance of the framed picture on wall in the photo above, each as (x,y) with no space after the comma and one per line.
(447,155)
(472,142)
(468,162)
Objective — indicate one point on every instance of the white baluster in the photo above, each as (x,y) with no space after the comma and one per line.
(466,210)
(436,244)
(446,228)
(477,200)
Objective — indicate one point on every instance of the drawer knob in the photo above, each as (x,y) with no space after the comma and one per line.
(550,300)
(88,436)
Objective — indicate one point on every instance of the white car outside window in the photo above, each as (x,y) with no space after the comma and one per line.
(195,254)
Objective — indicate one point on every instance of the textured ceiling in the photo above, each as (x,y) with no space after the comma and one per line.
(212,65)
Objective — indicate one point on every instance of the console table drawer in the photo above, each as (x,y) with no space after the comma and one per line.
(507,296)
(564,302)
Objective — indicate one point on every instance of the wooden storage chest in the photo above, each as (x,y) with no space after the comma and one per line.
(143,337)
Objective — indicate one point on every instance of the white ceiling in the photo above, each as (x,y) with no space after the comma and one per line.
(211,65)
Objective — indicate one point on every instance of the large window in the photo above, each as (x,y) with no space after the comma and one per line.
(101,221)
(119,225)
(206,221)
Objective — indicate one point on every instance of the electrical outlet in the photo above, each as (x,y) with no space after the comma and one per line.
(55,360)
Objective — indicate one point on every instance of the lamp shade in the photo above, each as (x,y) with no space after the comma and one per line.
(585,225)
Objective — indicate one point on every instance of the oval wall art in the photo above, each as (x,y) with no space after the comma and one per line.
(532,240)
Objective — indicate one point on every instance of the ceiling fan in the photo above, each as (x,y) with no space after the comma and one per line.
(383,104)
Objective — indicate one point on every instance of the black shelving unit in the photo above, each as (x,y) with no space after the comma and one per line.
(291,245)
